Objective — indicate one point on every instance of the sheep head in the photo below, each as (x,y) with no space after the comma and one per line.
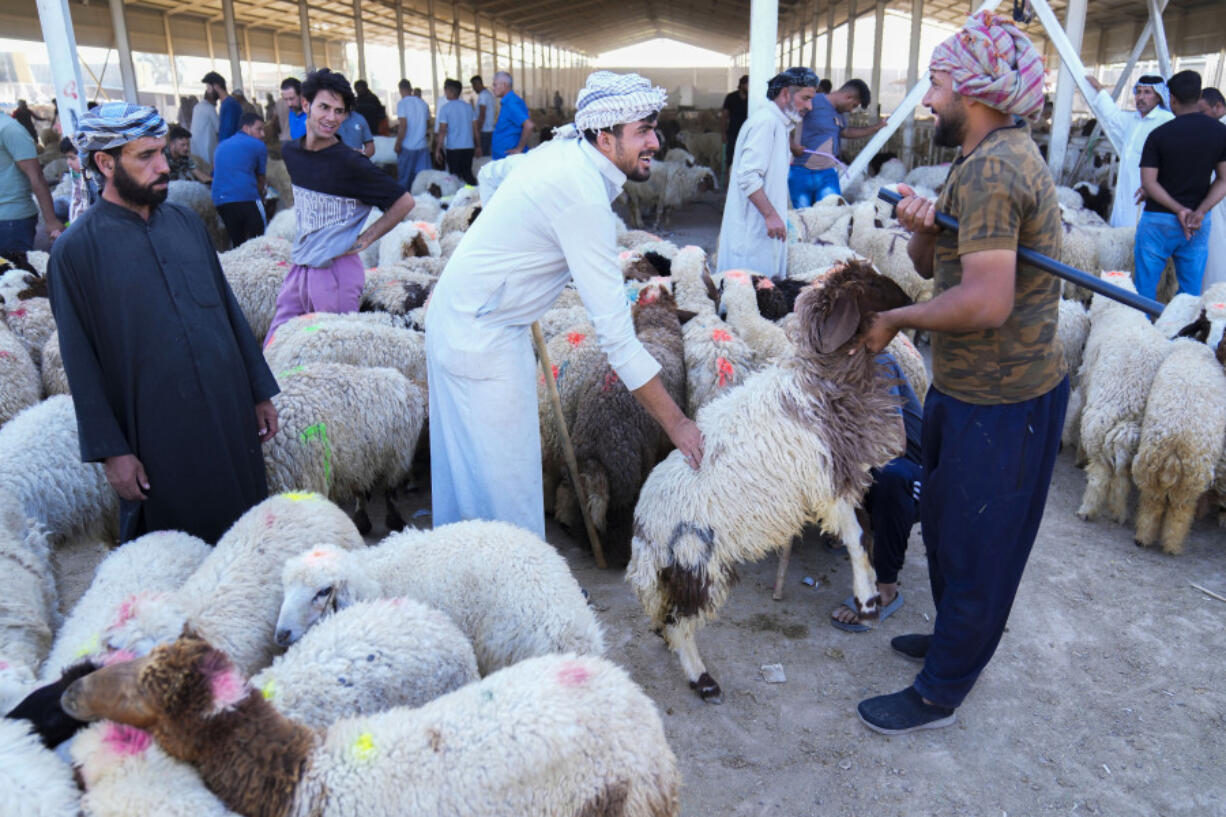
(42,707)
(315,584)
(837,310)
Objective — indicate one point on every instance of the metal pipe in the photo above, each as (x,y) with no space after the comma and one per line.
(170,54)
(236,68)
(829,41)
(61,42)
(917,24)
(304,25)
(851,37)
(359,35)
(127,71)
(1062,113)
(878,34)
(1160,47)
(763,33)
(433,53)
(400,37)
(1054,267)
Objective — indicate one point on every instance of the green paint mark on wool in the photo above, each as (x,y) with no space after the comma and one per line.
(291,372)
(309,329)
(319,431)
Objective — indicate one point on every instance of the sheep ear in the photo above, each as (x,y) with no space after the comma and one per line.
(344,595)
(839,326)
(684,315)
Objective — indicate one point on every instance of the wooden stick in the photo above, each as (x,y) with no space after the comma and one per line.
(572,464)
(1207,592)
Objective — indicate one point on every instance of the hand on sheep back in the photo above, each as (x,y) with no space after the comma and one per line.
(792,446)
(32,322)
(43,470)
(1122,354)
(566,735)
(157,562)
(231,597)
(29,605)
(507,590)
(19,377)
(354,339)
(1182,437)
(34,782)
(369,657)
(617,442)
(345,430)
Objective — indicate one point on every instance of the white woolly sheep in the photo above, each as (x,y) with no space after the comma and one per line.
(283,225)
(683,185)
(886,247)
(565,735)
(1182,310)
(767,339)
(33,781)
(930,176)
(567,319)
(357,339)
(277,176)
(345,431)
(816,219)
(631,239)
(716,359)
(256,272)
(43,470)
(1122,354)
(16,682)
(197,198)
(54,378)
(19,379)
(369,657)
(409,239)
(459,217)
(809,261)
(1115,247)
(506,589)
(1183,435)
(29,611)
(707,148)
(1072,328)
(912,364)
(232,597)
(819,421)
(32,322)
(157,562)
(425,208)
(649,193)
(437,183)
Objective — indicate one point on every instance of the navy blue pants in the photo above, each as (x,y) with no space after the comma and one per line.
(893,509)
(986,474)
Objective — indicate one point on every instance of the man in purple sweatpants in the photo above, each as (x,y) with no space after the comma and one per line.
(334,190)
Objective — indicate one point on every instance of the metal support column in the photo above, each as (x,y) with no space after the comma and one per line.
(236,68)
(433,53)
(170,54)
(304,26)
(878,33)
(455,36)
(126,69)
(763,33)
(400,37)
(359,36)
(61,42)
(851,39)
(1062,114)
(813,46)
(917,24)
(477,38)
(1160,47)
(250,89)
(829,74)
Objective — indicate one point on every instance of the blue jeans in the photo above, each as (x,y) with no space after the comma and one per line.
(409,163)
(1160,237)
(986,474)
(808,187)
(17,236)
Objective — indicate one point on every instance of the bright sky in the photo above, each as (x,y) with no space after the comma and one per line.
(662,53)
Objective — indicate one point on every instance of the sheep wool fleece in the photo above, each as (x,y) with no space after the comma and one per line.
(550,221)
(162,364)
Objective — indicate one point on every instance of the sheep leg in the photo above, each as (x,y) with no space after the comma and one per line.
(843,523)
(393,519)
(1178,520)
(1119,490)
(1149,519)
(1098,475)
(361,519)
(680,639)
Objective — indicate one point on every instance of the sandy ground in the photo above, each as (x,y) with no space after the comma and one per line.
(1107,694)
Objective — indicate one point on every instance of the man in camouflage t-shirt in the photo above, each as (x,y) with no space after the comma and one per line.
(993,418)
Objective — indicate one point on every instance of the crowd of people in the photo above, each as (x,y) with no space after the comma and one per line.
(185,418)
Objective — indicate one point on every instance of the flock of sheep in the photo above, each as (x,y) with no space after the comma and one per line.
(382,667)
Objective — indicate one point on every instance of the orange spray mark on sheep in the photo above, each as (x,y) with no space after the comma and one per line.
(720,336)
(726,372)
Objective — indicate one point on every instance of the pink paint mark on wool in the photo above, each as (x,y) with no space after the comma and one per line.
(575,338)
(5,355)
(726,372)
(126,740)
(282,263)
(4,665)
(270,519)
(19,312)
(737,275)
(625,255)
(227,686)
(127,610)
(1117,274)
(573,675)
(118,657)
(610,381)
(766,283)
(720,335)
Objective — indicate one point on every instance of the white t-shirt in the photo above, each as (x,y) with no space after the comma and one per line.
(459,117)
(413,112)
(487,99)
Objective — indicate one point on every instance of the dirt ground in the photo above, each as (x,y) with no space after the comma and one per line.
(1107,695)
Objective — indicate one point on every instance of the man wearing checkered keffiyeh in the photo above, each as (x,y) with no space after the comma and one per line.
(170,389)
(547,223)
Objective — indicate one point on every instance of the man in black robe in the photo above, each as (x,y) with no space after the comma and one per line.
(171,391)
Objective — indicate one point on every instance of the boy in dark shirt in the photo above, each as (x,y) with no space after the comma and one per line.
(1178,163)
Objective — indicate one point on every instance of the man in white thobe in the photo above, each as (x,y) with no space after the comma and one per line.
(1213,104)
(1131,129)
(753,234)
(550,221)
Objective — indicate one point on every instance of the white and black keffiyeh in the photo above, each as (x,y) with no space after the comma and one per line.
(114,124)
(610,99)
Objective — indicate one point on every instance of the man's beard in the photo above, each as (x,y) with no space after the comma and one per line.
(795,116)
(951,128)
(140,195)
(210,97)
(632,171)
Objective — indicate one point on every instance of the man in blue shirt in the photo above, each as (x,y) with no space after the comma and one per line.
(514,126)
(230,111)
(355,132)
(412,154)
(815,144)
(892,505)
(238,180)
(456,125)
(291,92)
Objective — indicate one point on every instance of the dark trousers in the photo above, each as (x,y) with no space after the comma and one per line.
(460,163)
(242,220)
(487,142)
(893,510)
(986,474)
